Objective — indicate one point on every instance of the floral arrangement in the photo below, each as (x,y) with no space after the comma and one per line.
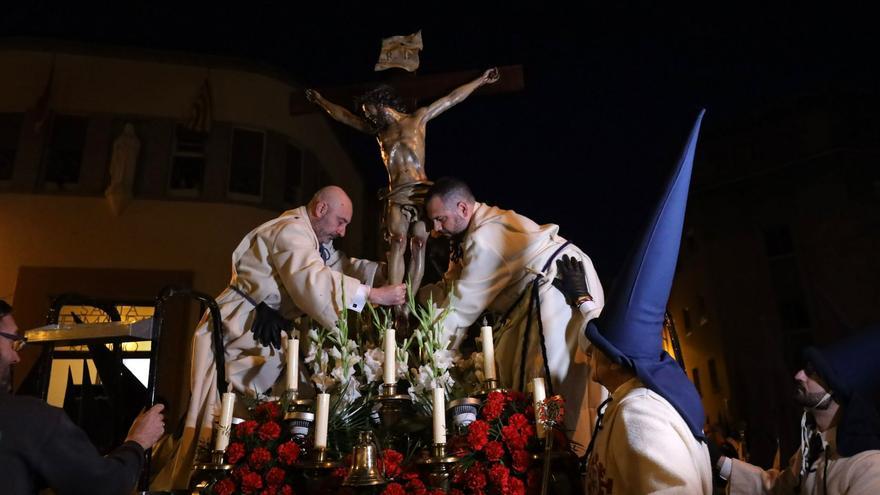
(497,451)
(261,456)
(332,355)
(431,352)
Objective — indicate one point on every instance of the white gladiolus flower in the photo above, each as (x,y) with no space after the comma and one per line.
(443,359)
(323,382)
(374,360)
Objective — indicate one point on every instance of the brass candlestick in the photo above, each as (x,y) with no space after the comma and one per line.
(439,467)
(389,390)
(319,459)
(393,405)
(205,475)
(315,468)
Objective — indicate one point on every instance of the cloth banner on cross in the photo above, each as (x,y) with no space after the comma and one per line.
(400,52)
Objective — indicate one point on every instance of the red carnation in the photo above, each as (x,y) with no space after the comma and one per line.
(521,460)
(251,482)
(269,431)
(245,428)
(415,486)
(475,477)
(288,452)
(240,472)
(437,491)
(494,406)
(275,476)
(267,410)
(234,452)
(259,457)
(224,487)
(478,434)
(391,460)
(516,486)
(269,491)
(394,489)
(517,432)
(341,472)
(499,476)
(286,490)
(494,451)
(516,396)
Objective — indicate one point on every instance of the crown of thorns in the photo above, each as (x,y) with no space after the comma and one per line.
(382,95)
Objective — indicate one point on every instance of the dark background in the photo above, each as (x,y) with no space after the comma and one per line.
(609,96)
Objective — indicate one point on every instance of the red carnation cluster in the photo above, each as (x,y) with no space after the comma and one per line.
(494,406)
(502,442)
(517,431)
(390,462)
(288,452)
(260,453)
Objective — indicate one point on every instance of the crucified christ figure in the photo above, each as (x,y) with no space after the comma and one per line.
(401,138)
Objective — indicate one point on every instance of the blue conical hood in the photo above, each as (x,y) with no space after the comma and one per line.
(631,325)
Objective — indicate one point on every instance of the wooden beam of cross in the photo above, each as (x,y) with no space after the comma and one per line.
(414,88)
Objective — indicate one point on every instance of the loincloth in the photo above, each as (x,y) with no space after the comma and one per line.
(409,197)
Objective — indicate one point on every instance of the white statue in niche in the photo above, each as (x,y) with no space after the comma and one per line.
(123,164)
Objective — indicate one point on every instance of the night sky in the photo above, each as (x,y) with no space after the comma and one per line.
(610,93)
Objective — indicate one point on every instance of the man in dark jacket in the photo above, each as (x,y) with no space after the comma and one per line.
(40,447)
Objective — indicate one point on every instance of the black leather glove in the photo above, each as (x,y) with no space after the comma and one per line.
(572,281)
(268,325)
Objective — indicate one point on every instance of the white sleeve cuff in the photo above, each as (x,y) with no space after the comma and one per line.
(725,469)
(587,307)
(359,300)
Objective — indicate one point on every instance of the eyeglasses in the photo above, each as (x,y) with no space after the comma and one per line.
(18,341)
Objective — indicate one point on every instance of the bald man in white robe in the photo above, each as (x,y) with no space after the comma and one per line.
(282,264)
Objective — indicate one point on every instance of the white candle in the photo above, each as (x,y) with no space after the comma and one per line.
(292,364)
(439,415)
(321,415)
(488,353)
(390,355)
(539,395)
(222,438)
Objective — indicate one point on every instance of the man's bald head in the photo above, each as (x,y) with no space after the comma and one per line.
(330,213)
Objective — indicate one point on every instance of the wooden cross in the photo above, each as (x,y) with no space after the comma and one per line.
(412,88)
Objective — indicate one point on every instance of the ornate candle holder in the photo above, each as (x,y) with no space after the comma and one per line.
(315,468)
(438,467)
(463,412)
(299,417)
(393,405)
(205,475)
(299,423)
(319,459)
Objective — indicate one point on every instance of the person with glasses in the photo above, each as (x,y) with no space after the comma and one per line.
(12,342)
(41,448)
